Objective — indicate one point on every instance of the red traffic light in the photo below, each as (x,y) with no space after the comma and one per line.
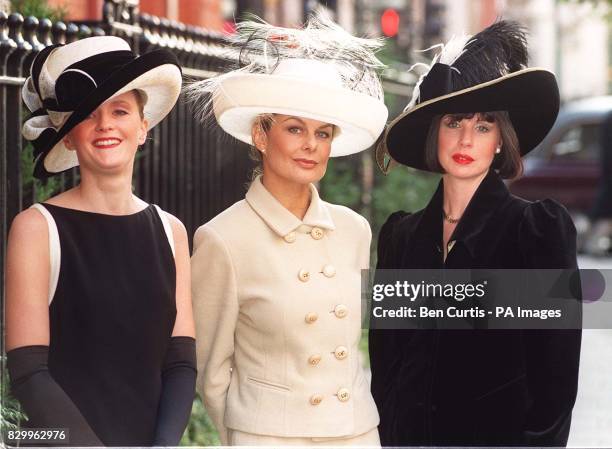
(389,22)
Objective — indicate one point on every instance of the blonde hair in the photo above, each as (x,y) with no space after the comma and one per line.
(263,123)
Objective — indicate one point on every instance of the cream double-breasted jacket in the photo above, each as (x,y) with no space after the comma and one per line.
(277,309)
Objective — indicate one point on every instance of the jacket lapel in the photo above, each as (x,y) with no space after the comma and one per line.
(491,194)
(423,246)
(279,219)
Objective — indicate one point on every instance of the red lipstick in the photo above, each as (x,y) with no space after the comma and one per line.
(462,158)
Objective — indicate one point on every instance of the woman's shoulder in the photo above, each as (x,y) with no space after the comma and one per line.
(179,232)
(547,236)
(28,239)
(400,221)
(29,224)
(229,224)
(398,227)
(546,214)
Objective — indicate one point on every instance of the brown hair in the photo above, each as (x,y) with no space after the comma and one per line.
(508,163)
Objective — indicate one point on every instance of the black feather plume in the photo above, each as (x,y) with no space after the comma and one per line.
(494,52)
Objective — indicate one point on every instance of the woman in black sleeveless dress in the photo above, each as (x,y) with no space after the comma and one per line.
(100,334)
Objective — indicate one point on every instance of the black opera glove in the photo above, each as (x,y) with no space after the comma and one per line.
(178,391)
(45,403)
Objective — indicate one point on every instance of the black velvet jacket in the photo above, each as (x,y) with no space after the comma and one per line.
(477,387)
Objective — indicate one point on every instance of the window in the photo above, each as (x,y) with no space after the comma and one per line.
(580,143)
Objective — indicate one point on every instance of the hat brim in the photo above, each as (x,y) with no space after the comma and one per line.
(240,99)
(157,74)
(530,96)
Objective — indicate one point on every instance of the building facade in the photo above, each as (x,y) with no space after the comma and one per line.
(570,38)
(202,13)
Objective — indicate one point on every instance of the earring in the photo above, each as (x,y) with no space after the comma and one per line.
(497,150)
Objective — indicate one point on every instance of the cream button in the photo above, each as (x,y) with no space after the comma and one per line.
(311,317)
(329,271)
(290,238)
(343,395)
(316,233)
(316,399)
(341,352)
(303,275)
(314,359)
(341,311)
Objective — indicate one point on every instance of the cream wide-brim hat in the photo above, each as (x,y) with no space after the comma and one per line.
(302,88)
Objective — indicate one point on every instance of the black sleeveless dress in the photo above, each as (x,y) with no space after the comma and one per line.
(111,319)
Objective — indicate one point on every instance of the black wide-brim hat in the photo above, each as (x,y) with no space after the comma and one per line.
(69,82)
(531,98)
(484,77)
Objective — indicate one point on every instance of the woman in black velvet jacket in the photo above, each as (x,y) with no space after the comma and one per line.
(476,387)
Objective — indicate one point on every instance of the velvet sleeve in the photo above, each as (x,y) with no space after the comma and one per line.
(384,347)
(548,240)
(44,401)
(547,236)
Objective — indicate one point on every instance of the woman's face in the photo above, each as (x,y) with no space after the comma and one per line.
(295,149)
(466,146)
(107,140)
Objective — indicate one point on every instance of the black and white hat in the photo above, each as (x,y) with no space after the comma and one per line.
(68,82)
(481,73)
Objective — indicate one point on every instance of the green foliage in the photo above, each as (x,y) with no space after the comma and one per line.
(363,348)
(392,53)
(200,430)
(44,189)
(10,410)
(39,8)
(402,189)
(341,185)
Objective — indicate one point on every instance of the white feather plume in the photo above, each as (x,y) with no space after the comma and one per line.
(448,54)
(453,49)
(257,47)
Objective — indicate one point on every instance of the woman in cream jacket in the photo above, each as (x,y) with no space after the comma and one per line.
(276,277)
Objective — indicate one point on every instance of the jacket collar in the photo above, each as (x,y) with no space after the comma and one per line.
(279,219)
(489,196)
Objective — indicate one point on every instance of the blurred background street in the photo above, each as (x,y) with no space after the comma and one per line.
(592,417)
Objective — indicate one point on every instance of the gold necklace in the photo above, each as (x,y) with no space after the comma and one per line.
(450,219)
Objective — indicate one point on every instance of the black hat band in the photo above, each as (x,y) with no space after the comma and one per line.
(438,82)
(78,80)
